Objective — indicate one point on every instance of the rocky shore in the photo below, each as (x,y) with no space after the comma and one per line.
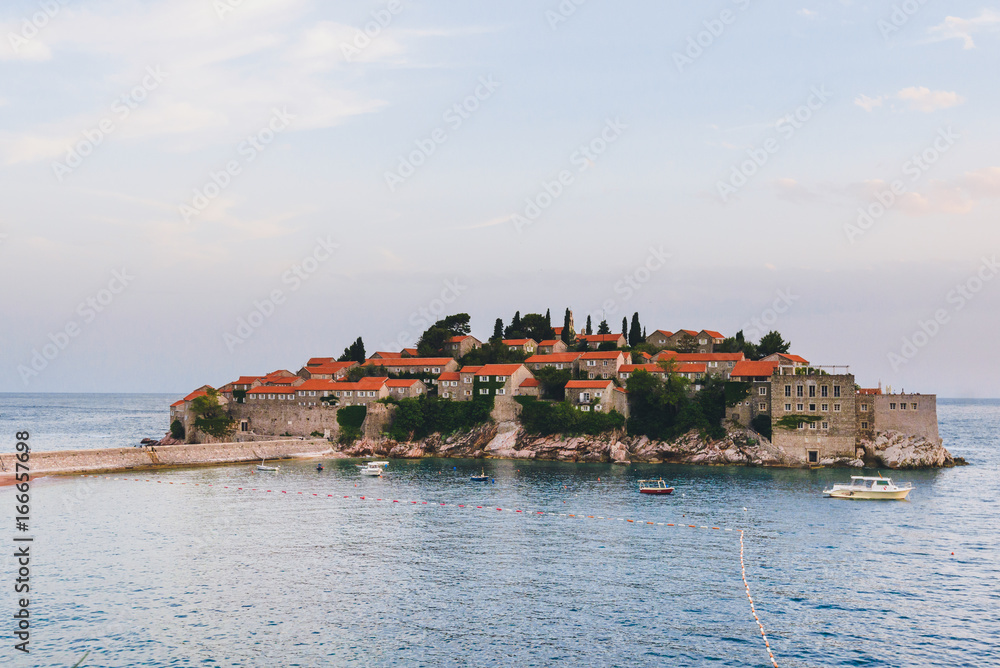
(740,447)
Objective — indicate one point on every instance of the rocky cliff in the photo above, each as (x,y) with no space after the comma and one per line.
(740,447)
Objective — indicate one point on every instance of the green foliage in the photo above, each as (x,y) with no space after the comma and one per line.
(565,328)
(350,419)
(354,352)
(603,328)
(531,326)
(493,352)
(544,418)
(625,327)
(607,345)
(792,421)
(762,425)
(772,343)
(317,434)
(736,392)
(643,347)
(497,330)
(240,396)
(210,417)
(589,329)
(553,382)
(635,335)
(177,430)
(665,409)
(422,416)
(431,342)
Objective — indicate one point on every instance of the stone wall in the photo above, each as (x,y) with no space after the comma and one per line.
(378,419)
(279,419)
(838,439)
(921,422)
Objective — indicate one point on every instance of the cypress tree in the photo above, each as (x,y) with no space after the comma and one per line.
(625,328)
(565,332)
(498,329)
(589,330)
(635,336)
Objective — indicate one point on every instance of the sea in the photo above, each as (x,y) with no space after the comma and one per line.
(547,563)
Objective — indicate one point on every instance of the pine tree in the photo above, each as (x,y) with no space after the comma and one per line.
(635,336)
(497,329)
(603,328)
(565,332)
(589,330)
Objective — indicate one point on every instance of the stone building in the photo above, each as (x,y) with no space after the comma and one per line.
(415,365)
(500,379)
(448,384)
(326,370)
(602,363)
(813,416)
(660,338)
(708,339)
(550,346)
(716,364)
(406,388)
(568,361)
(459,346)
(594,341)
(598,395)
(526,346)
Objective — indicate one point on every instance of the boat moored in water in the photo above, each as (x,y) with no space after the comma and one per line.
(374,469)
(654,487)
(869,487)
(268,469)
(482,477)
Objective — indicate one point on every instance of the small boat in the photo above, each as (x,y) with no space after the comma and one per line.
(654,487)
(262,467)
(373,468)
(482,477)
(869,487)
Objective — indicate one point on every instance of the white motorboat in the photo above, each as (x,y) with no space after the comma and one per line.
(372,468)
(869,487)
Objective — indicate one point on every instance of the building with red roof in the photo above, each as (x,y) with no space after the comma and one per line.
(602,363)
(526,346)
(428,365)
(500,380)
(459,346)
(550,346)
(594,341)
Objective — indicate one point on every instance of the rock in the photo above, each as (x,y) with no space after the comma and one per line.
(894,450)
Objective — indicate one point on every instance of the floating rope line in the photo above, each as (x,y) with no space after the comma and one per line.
(753,609)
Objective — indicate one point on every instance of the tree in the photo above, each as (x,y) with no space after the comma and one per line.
(553,382)
(603,328)
(210,417)
(770,344)
(177,430)
(457,324)
(737,344)
(354,352)
(635,336)
(548,318)
(497,330)
(625,327)
(431,342)
(565,329)
(589,330)
(536,326)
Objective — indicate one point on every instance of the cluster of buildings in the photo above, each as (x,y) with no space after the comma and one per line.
(822,412)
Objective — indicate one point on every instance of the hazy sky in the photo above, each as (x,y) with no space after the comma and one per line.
(170,167)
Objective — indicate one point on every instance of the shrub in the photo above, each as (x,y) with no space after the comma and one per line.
(544,418)
(177,430)
(350,419)
(210,417)
(762,425)
(423,416)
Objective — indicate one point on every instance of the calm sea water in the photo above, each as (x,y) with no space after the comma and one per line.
(155,574)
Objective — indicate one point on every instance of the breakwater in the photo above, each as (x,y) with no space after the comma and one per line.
(124,459)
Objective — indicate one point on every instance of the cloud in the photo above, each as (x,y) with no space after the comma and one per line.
(954,27)
(869,103)
(807,13)
(926,100)
(917,98)
(792,191)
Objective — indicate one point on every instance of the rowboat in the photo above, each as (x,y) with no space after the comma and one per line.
(869,487)
(654,487)
(482,477)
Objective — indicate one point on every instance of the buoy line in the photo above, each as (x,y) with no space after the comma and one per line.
(746,585)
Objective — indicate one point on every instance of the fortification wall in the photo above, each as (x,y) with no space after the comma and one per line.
(920,421)
(278,420)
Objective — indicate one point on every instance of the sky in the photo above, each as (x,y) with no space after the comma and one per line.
(198,189)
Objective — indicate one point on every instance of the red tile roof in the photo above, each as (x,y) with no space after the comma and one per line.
(530,382)
(688,332)
(314,361)
(366,383)
(549,342)
(280,373)
(713,334)
(753,369)
(516,342)
(666,333)
(554,358)
(412,352)
(330,368)
(402,382)
(498,369)
(870,390)
(691,368)
(600,338)
(585,384)
(450,375)
(792,358)
(470,369)
(314,384)
(651,368)
(410,361)
(191,397)
(385,355)
(706,357)
(459,339)
(602,355)
(245,380)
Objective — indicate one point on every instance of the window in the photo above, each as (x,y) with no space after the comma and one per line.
(501,379)
(585,408)
(713,364)
(468,393)
(802,425)
(624,376)
(446,395)
(799,407)
(591,363)
(271,396)
(798,391)
(788,407)
(824,407)
(892,406)
(703,341)
(902,406)
(604,375)
(788,390)
(501,391)
(484,391)
(813,456)
(469,378)
(585,396)
(762,406)
(826,425)
(864,425)
(436,370)
(864,408)
(812,408)
(812,425)
(913,406)
(824,391)
(597,407)
(312,393)
(558,366)
(836,390)
(347,393)
(836,408)
(591,375)
(762,391)
(812,390)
